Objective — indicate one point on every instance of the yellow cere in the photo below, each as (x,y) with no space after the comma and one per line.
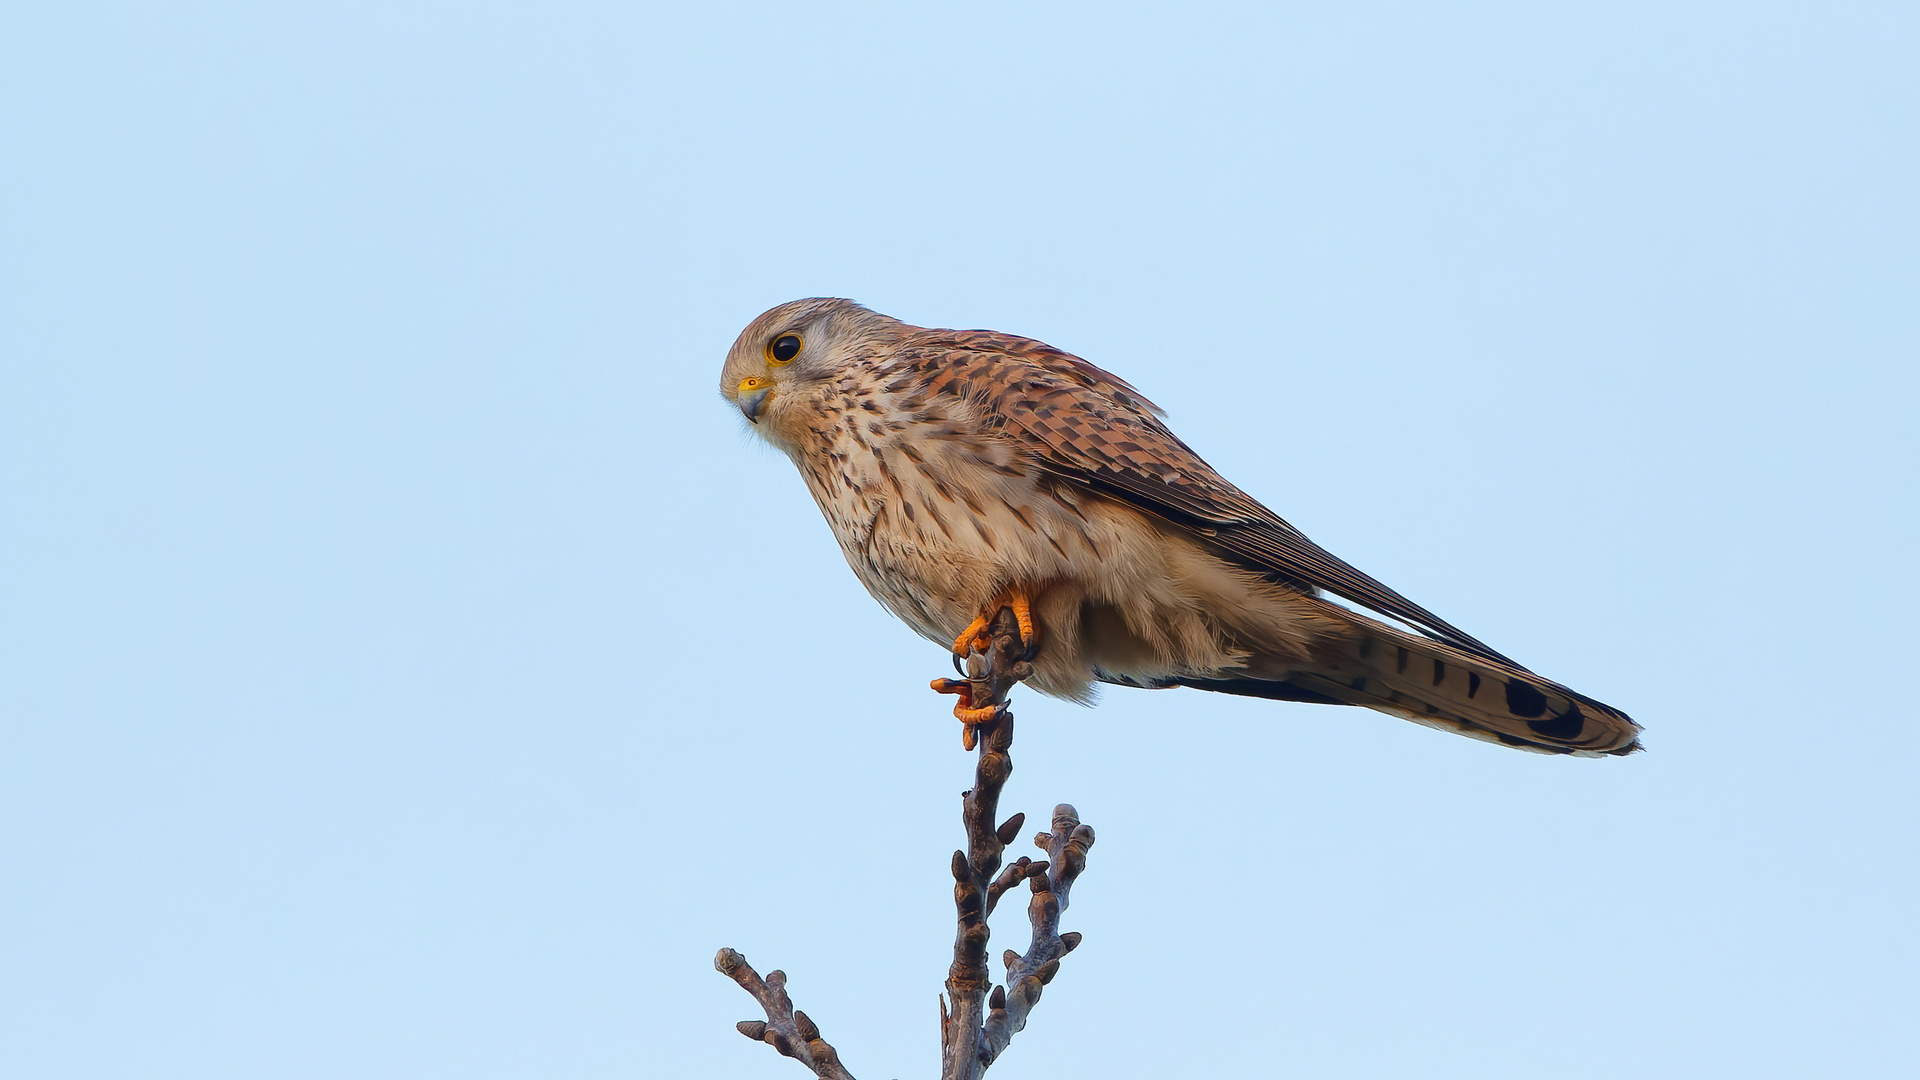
(752,382)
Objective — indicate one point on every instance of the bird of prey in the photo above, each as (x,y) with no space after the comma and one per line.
(963,471)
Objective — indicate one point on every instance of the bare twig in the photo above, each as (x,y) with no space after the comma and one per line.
(786,1029)
(1066,847)
(974,1027)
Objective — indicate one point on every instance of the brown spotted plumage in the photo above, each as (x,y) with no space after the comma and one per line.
(958,468)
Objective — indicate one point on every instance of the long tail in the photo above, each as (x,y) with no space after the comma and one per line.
(1369,663)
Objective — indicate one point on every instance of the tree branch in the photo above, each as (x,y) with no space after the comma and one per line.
(1066,847)
(974,1028)
(971,1036)
(786,1029)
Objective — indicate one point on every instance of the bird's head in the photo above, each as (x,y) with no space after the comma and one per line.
(795,349)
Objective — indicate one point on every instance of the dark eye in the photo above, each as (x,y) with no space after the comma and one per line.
(784,348)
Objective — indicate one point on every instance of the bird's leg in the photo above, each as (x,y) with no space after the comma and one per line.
(964,711)
(975,639)
(998,647)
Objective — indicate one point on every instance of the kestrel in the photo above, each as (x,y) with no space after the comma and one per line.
(963,471)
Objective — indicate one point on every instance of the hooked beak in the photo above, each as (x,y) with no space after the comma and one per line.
(752,399)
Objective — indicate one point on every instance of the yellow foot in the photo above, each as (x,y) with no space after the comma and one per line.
(974,637)
(963,710)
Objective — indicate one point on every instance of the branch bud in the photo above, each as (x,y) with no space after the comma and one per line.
(1010,831)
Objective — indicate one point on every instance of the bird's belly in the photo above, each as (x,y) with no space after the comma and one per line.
(938,578)
(937,531)
(1114,593)
(936,546)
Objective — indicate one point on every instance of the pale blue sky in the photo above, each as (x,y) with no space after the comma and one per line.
(407,654)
